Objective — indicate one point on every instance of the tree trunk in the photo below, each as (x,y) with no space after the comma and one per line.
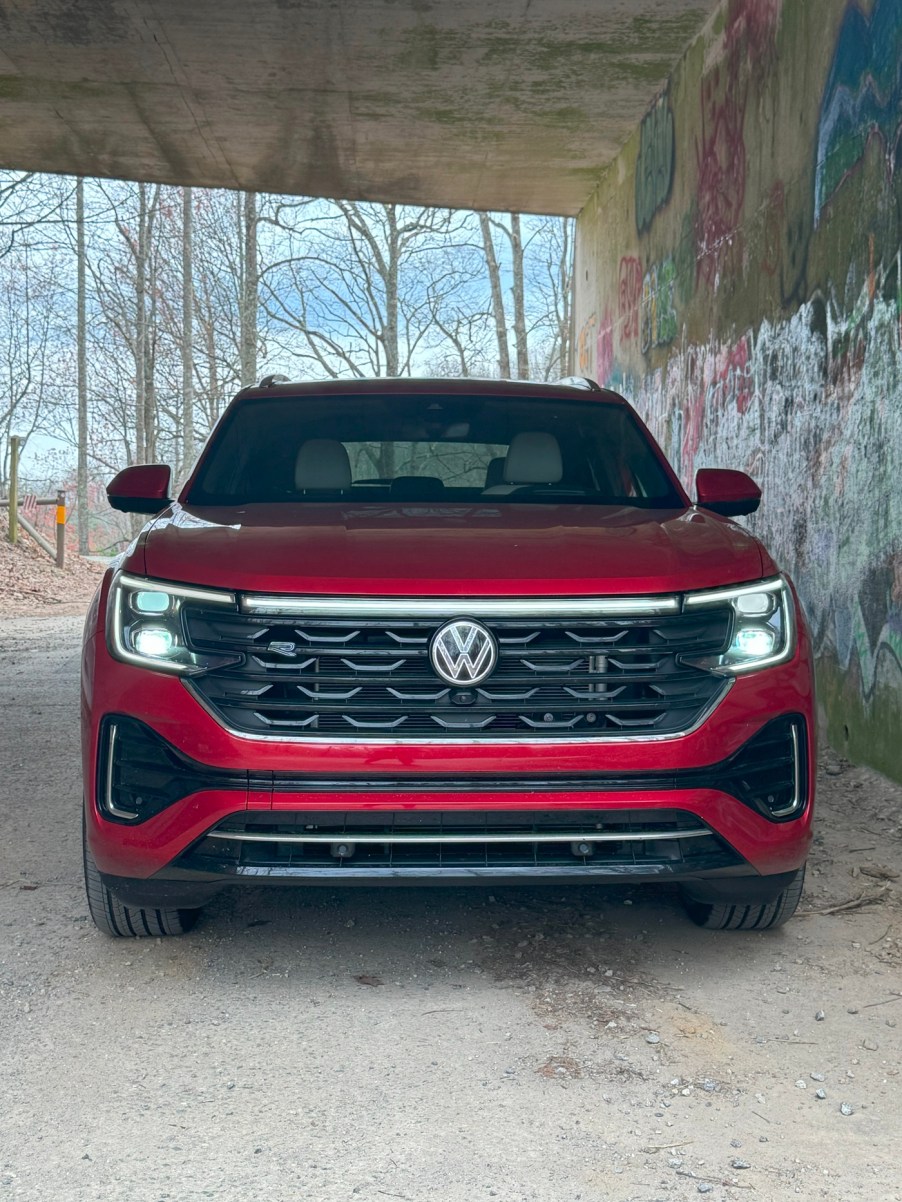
(567,366)
(188,449)
(390,336)
(519,299)
(494,274)
(249,292)
(140,328)
(81,372)
(150,336)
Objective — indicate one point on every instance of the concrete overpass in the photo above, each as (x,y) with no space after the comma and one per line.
(736,168)
(485,104)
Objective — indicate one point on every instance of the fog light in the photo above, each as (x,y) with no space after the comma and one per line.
(154,641)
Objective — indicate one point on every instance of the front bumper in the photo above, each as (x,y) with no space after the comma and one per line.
(227,778)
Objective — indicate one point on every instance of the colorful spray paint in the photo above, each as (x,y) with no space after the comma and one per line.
(753,311)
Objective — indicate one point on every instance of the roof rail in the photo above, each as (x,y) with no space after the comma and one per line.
(581,382)
(276,378)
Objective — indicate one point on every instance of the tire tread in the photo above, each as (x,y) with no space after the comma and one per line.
(731,916)
(115,918)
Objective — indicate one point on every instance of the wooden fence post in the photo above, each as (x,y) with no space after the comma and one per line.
(60,529)
(14,488)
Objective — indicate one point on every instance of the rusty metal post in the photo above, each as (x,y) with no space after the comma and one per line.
(14,444)
(60,529)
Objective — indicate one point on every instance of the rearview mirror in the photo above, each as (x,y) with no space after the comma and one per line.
(729,493)
(143,489)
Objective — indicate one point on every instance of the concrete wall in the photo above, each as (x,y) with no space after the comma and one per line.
(738,277)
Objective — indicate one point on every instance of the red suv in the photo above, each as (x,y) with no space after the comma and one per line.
(443,631)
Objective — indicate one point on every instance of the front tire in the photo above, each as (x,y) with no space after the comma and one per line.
(127,922)
(741,916)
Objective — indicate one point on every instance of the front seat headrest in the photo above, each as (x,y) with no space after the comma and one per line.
(533,458)
(494,473)
(322,463)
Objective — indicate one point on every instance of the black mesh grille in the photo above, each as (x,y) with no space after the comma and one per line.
(770,771)
(660,842)
(585,677)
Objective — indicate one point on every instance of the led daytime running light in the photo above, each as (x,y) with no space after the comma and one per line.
(763,631)
(145,624)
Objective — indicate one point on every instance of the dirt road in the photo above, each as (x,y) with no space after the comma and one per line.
(450,1045)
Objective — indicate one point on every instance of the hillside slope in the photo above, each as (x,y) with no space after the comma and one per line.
(30,583)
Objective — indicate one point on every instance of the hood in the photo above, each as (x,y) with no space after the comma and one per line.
(472,550)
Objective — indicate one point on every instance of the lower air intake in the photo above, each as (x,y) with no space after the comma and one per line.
(456,844)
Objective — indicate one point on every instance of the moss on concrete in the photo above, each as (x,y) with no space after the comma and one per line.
(864,731)
(426,48)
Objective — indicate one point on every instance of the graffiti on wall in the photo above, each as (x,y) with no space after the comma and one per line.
(629,296)
(862,98)
(792,261)
(604,348)
(655,165)
(751,31)
(774,223)
(657,315)
(750,51)
(720,160)
(790,402)
(584,346)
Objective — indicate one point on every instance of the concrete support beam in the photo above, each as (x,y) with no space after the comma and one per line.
(487,104)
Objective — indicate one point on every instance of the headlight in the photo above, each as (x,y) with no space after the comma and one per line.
(145,625)
(763,630)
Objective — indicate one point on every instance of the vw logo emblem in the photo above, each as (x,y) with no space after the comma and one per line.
(463,652)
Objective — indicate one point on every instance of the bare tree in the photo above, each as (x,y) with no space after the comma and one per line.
(549,286)
(518,290)
(249,287)
(30,207)
(30,374)
(81,356)
(187,331)
(178,293)
(123,337)
(356,285)
(494,273)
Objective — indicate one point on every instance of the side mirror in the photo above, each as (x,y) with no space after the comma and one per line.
(732,494)
(143,489)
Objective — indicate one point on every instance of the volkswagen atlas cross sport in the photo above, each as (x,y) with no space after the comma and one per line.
(442,631)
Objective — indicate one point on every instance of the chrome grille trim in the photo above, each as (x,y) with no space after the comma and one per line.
(460,845)
(588,836)
(450,607)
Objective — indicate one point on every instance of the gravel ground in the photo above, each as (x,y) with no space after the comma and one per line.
(30,581)
(460,1045)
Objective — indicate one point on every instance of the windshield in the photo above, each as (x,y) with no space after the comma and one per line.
(510,450)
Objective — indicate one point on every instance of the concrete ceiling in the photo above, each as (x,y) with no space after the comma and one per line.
(483,104)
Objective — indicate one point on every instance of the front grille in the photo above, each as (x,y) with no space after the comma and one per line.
(372,677)
(460,842)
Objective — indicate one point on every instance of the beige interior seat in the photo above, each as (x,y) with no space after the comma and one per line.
(322,463)
(533,457)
